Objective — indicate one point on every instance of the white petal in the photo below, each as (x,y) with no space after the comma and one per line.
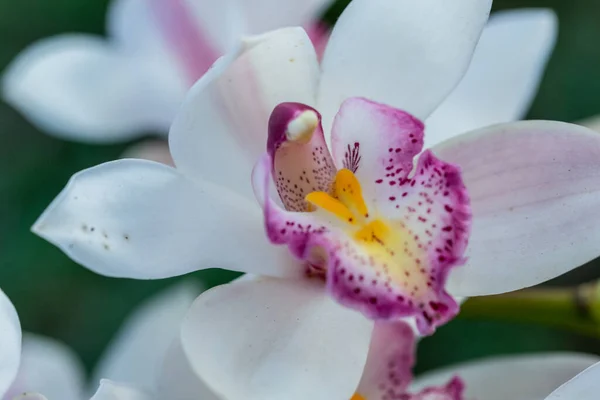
(584,386)
(109,390)
(265,15)
(520,377)
(535,196)
(137,352)
(404,53)
(31,396)
(504,75)
(84,88)
(51,368)
(139,219)
(274,339)
(221,129)
(10,343)
(178,381)
(133,26)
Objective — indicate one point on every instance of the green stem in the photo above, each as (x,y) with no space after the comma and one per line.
(575,309)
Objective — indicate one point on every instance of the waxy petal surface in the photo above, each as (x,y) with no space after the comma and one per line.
(109,390)
(270,339)
(530,376)
(513,49)
(139,219)
(177,380)
(433,41)
(10,343)
(583,387)
(137,352)
(221,129)
(534,196)
(49,367)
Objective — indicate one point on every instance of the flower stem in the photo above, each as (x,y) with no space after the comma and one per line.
(573,308)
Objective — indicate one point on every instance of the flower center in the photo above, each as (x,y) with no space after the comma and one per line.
(357,397)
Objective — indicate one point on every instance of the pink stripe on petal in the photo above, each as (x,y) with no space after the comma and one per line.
(377,143)
(301,161)
(188,40)
(319,33)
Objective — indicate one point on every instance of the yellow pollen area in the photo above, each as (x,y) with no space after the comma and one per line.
(357,397)
(392,248)
(347,202)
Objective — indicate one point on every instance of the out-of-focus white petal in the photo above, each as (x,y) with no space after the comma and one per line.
(266,15)
(49,367)
(519,377)
(10,343)
(137,353)
(178,381)
(110,390)
(504,75)
(276,339)
(404,53)
(139,219)
(535,197)
(80,87)
(221,129)
(133,26)
(584,386)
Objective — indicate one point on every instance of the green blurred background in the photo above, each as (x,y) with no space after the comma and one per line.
(56,297)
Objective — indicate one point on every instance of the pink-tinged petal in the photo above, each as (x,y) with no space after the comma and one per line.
(273,339)
(535,196)
(514,48)
(222,127)
(377,143)
(388,371)
(523,376)
(584,386)
(10,344)
(188,40)
(396,276)
(294,229)
(144,220)
(301,161)
(453,390)
(319,33)
(433,41)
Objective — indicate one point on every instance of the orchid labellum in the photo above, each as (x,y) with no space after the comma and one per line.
(355,198)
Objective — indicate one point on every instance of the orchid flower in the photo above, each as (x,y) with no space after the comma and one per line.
(550,376)
(529,196)
(145,356)
(82,87)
